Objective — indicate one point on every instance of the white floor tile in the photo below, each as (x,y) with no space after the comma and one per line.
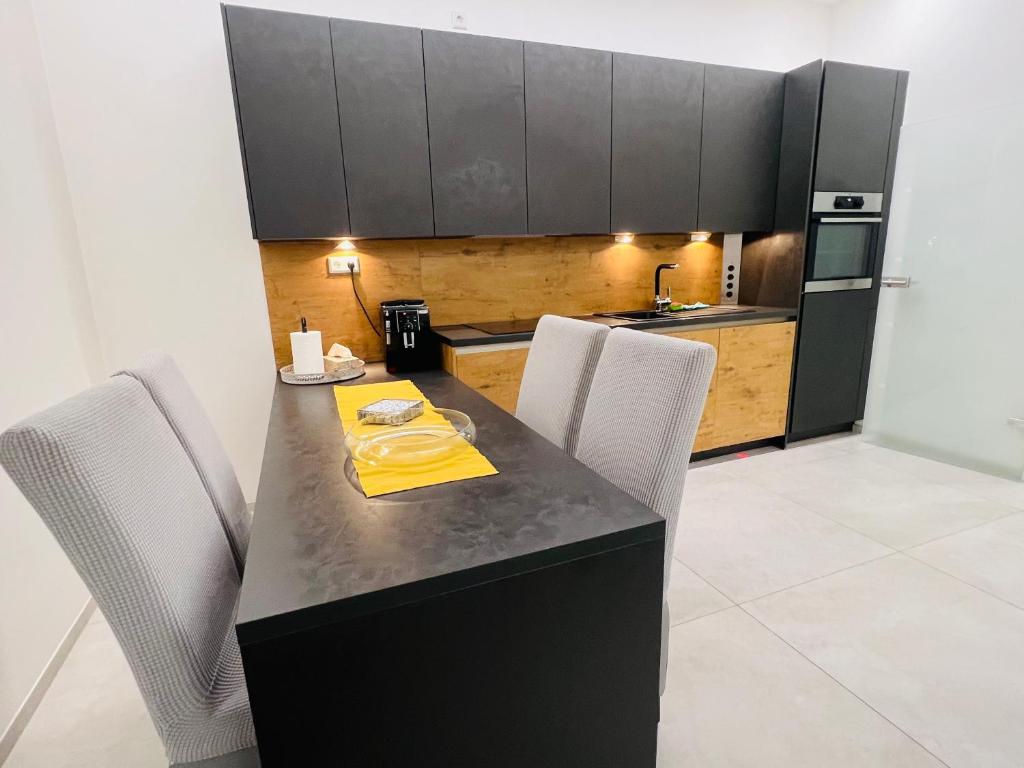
(690,597)
(889,505)
(936,657)
(93,715)
(748,542)
(736,695)
(991,557)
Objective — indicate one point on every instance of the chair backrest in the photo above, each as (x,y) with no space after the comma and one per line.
(642,416)
(113,484)
(157,372)
(557,377)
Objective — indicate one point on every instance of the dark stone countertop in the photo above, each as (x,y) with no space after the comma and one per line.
(321,551)
(467,336)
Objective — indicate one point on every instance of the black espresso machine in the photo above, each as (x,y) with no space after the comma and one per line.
(409,344)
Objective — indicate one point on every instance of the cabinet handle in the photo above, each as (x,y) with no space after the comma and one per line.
(896,282)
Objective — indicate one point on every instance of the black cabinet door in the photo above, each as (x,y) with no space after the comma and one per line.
(568,138)
(830,360)
(739,149)
(656,127)
(477,133)
(383,108)
(283,72)
(856,121)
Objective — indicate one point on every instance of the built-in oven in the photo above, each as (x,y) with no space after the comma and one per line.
(843,241)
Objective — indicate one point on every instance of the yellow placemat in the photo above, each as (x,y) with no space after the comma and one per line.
(377,481)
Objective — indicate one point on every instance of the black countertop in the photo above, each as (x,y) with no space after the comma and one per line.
(321,551)
(468,335)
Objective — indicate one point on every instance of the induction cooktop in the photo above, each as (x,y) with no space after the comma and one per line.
(501,327)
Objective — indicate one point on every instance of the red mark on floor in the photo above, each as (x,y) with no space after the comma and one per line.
(742,455)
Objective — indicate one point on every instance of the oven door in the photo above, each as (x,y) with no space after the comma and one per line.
(841,253)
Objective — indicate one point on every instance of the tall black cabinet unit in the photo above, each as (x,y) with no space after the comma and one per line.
(657,109)
(852,133)
(282,68)
(383,111)
(568,138)
(740,149)
(477,120)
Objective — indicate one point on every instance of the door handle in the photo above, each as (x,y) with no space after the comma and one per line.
(896,282)
(1013,421)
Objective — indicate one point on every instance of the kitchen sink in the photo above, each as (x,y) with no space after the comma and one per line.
(636,314)
(653,314)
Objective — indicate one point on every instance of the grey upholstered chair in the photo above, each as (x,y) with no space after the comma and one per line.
(110,479)
(559,369)
(641,418)
(170,391)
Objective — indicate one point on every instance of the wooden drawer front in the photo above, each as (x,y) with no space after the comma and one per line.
(495,375)
(752,393)
(706,438)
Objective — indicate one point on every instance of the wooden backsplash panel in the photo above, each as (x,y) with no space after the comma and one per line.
(477,280)
(297,285)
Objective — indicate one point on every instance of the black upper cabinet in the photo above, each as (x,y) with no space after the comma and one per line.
(383,110)
(656,135)
(856,121)
(568,138)
(477,133)
(739,149)
(287,109)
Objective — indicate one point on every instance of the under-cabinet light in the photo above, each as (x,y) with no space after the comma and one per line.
(345,245)
(624,237)
(700,237)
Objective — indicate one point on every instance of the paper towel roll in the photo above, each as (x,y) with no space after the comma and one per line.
(307,352)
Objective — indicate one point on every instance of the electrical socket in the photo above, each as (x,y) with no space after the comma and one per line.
(338,265)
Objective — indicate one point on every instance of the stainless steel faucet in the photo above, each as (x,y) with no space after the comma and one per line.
(660,303)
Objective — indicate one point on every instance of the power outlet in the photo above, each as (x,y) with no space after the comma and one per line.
(338,265)
(459,20)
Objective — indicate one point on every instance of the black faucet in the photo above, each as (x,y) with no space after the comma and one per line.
(660,303)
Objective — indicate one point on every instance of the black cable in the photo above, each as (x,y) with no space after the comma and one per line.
(355,293)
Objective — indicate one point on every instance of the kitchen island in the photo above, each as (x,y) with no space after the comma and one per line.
(509,620)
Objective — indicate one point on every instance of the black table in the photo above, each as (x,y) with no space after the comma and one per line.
(512,620)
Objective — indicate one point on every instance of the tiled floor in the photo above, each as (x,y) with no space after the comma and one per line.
(836,604)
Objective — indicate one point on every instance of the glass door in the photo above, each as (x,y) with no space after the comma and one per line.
(947,379)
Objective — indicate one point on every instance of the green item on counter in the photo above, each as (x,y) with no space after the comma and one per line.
(675,307)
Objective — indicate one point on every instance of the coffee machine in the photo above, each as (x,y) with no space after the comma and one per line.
(409,344)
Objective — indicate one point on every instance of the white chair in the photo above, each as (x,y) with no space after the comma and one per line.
(556,380)
(157,372)
(640,422)
(114,485)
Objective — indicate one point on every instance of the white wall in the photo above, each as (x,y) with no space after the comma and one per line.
(144,113)
(50,351)
(944,378)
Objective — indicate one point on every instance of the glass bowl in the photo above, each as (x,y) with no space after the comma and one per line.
(438,435)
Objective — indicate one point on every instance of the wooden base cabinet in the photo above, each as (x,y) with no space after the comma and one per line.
(494,374)
(749,394)
(748,399)
(706,437)
(755,363)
